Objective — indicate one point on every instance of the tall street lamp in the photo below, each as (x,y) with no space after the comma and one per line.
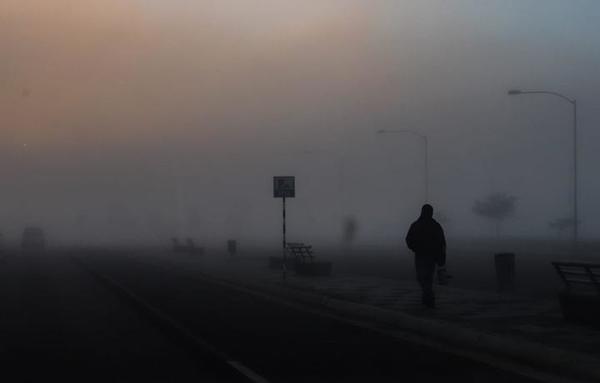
(426,152)
(573,102)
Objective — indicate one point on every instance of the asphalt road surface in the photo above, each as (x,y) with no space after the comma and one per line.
(278,343)
(58,324)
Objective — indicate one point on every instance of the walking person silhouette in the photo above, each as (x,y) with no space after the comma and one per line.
(426,239)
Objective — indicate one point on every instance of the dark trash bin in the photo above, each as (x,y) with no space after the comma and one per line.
(232,247)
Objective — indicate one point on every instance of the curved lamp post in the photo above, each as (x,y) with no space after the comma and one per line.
(426,143)
(573,102)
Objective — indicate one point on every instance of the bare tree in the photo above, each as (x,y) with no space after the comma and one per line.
(561,224)
(496,207)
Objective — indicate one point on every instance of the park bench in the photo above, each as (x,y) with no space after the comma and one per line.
(292,248)
(301,259)
(189,247)
(300,252)
(580,300)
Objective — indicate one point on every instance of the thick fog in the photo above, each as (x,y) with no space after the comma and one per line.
(138,120)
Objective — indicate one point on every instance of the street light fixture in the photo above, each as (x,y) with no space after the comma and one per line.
(425,141)
(573,102)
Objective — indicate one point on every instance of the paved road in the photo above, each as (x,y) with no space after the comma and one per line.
(280,343)
(57,324)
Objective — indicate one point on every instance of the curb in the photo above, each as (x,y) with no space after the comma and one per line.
(559,362)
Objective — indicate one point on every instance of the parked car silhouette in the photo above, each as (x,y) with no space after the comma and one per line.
(33,239)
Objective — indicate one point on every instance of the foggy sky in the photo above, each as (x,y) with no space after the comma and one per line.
(131,120)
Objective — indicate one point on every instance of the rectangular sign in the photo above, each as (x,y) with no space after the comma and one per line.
(284,187)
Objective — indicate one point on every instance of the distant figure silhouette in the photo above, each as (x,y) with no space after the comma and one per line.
(426,239)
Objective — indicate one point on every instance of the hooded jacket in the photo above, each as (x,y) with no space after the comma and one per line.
(426,237)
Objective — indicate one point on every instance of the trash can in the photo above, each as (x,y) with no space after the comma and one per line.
(505,271)
(232,247)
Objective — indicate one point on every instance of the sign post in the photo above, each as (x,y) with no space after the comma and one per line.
(284,187)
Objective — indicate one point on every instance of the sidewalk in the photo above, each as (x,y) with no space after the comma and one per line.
(507,315)
(516,330)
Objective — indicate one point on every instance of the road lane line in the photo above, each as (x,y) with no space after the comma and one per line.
(169,324)
(247,372)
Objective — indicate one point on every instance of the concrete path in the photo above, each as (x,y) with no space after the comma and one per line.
(515,315)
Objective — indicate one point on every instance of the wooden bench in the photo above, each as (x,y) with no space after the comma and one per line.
(301,259)
(300,252)
(580,300)
(189,247)
(296,252)
(304,260)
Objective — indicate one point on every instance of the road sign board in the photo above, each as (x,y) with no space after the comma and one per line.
(284,187)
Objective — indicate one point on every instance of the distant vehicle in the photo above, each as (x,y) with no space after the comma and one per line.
(33,239)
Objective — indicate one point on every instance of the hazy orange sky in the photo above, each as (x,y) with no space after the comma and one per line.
(102,101)
(100,69)
(143,69)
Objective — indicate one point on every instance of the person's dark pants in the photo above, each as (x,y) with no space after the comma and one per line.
(425,271)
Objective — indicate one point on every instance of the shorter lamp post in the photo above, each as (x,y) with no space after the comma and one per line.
(573,102)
